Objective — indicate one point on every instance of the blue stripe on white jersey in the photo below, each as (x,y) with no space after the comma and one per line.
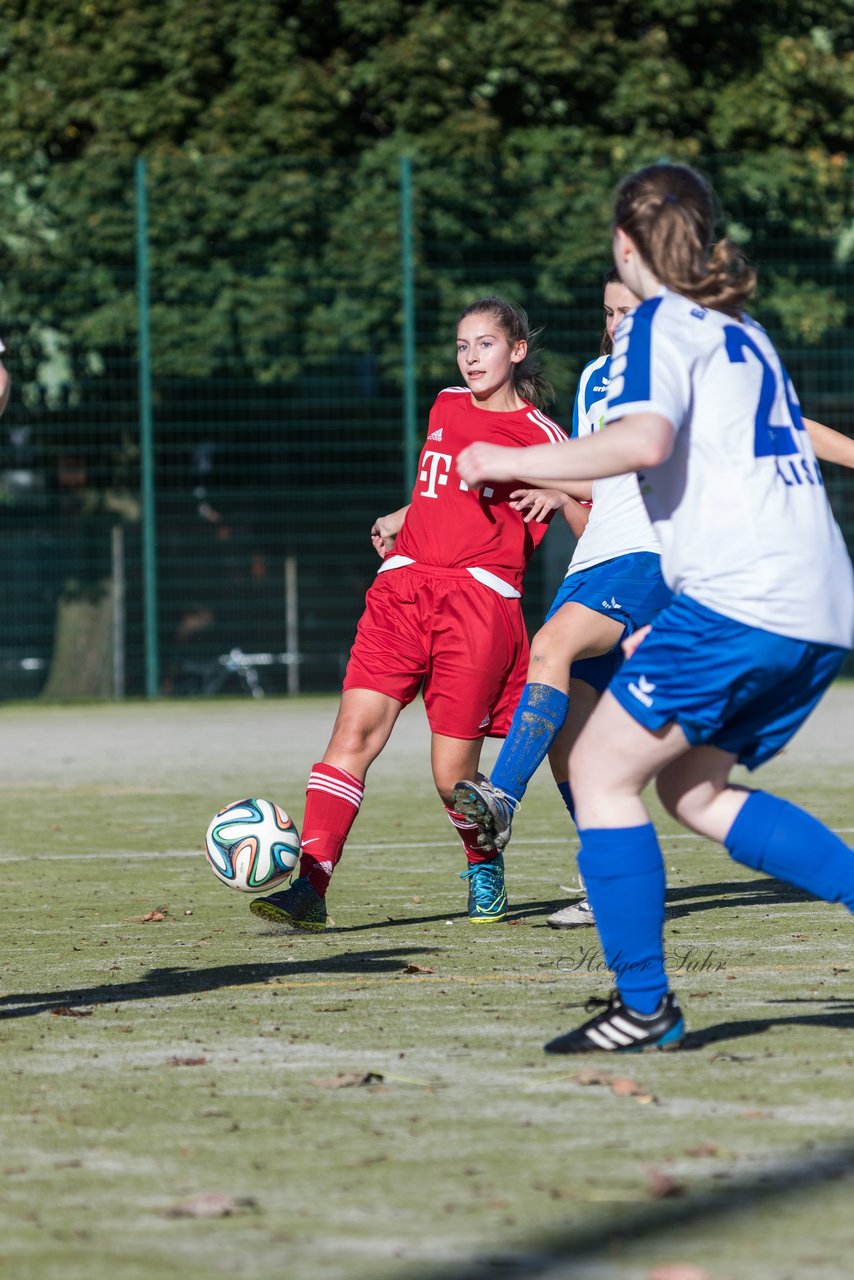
(588,409)
(631,384)
(618,524)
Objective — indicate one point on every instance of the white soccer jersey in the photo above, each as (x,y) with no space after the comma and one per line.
(739,507)
(618,524)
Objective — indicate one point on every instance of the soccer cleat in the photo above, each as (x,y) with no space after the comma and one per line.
(299,906)
(619,1029)
(570,917)
(489,808)
(487,895)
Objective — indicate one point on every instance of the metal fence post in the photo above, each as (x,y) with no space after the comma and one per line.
(146,436)
(407,273)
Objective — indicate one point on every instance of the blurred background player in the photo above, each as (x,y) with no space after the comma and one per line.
(442,616)
(700,404)
(612,588)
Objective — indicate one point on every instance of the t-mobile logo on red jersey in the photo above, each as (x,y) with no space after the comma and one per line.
(435,472)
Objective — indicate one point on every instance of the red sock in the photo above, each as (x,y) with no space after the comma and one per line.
(467,831)
(332,803)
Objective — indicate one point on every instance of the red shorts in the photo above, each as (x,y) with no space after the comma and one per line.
(442,631)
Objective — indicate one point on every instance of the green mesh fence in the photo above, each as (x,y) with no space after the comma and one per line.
(188,477)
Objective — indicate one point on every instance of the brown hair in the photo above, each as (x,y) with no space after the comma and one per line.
(668,210)
(528,380)
(611,276)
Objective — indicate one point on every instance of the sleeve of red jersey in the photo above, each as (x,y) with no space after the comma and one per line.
(543,431)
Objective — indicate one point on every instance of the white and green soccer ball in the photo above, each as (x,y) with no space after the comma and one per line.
(252,845)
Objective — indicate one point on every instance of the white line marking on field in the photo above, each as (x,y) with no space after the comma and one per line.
(373,847)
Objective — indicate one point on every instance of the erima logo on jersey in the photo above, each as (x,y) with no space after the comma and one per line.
(642,690)
(435,435)
(699,313)
(602,386)
(611,604)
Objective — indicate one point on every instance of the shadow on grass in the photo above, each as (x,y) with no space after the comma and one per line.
(559,1254)
(680,902)
(517,911)
(838,1016)
(765,892)
(189,982)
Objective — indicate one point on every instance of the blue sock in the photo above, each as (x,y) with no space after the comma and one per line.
(566,795)
(535,725)
(624,877)
(777,837)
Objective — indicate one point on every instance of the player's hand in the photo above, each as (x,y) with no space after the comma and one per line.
(383,536)
(634,641)
(538,503)
(480,462)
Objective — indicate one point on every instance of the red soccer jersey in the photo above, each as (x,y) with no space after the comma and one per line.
(451,526)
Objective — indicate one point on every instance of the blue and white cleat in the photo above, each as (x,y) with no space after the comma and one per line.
(619,1029)
(487,895)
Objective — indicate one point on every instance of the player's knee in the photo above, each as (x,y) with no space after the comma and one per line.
(353,736)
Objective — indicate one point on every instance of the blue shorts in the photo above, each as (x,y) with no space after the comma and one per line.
(629,589)
(725,684)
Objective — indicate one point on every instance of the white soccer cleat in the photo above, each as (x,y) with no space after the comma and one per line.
(577,913)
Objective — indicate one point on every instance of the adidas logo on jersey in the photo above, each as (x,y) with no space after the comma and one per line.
(435,435)
(611,604)
(484,724)
(642,690)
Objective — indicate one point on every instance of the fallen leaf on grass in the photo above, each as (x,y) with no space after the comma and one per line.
(678,1271)
(620,1086)
(186,1062)
(153,916)
(591,1077)
(702,1149)
(63,1011)
(211,1204)
(661,1186)
(623,1087)
(347,1079)
(417,968)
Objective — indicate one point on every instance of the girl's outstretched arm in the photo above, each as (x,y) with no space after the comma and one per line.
(633,443)
(830,445)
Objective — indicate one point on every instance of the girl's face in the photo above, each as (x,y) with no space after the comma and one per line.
(485,356)
(619,301)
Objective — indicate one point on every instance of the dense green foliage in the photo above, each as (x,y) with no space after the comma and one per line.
(274,130)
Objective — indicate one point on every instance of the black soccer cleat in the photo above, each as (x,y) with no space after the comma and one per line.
(618,1029)
(298,907)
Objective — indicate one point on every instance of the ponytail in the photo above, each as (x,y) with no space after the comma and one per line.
(668,210)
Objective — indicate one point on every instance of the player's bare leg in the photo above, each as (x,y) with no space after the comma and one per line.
(362,728)
(695,789)
(335,789)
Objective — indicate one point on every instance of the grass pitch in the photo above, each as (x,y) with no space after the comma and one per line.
(189,1092)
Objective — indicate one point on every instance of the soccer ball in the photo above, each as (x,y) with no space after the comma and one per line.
(252,845)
